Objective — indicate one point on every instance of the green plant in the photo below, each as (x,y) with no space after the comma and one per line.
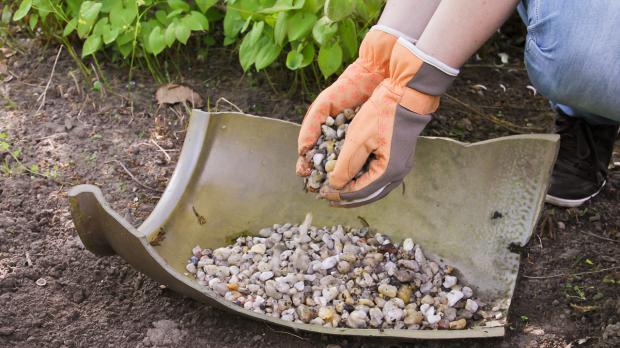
(128,28)
(305,31)
(9,169)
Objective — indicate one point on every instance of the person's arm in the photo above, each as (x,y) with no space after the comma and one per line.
(459,28)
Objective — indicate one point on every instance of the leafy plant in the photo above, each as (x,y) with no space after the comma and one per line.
(295,33)
(9,169)
(305,31)
(129,28)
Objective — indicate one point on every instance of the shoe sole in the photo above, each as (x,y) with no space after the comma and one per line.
(571,203)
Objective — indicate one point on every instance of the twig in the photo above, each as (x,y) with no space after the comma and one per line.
(600,237)
(135,179)
(161,149)
(502,123)
(217,104)
(540,241)
(78,89)
(49,82)
(571,274)
(285,332)
(53,136)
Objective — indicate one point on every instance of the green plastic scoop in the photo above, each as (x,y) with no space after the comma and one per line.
(468,204)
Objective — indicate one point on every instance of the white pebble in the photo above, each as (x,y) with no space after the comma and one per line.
(471,306)
(449,281)
(265,276)
(222,253)
(387,290)
(454,296)
(258,249)
(299,286)
(408,245)
(357,319)
(191,268)
(329,262)
(467,292)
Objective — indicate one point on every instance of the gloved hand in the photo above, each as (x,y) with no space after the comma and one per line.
(388,126)
(351,89)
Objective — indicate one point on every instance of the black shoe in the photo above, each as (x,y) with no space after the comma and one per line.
(580,171)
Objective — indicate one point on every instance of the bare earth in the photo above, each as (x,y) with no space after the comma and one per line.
(96,302)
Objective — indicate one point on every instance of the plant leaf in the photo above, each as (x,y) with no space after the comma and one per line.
(91,45)
(182,32)
(247,53)
(256,32)
(178,5)
(88,15)
(330,59)
(324,30)
(204,5)
(308,53)
(196,21)
(283,6)
(157,42)
(232,22)
(294,60)
(101,26)
(280,28)
(267,53)
(170,34)
(70,27)
(348,38)
(110,35)
(337,10)
(300,25)
(33,20)
(122,17)
(313,6)
(22,10)
(6,15)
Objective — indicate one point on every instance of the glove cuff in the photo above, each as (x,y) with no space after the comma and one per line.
(433,77)
(393,32)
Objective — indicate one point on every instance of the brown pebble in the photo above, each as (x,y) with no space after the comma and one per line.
(458,324)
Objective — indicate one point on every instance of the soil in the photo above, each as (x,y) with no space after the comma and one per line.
(89,136)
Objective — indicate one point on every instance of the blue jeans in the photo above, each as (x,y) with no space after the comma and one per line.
(572,55)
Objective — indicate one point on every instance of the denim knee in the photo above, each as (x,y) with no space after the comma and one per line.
(571,53)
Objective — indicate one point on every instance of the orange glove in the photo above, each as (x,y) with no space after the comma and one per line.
(388,126)
(351,89)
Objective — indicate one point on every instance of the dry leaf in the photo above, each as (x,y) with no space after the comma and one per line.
(172,93)
(3,68)
(583,309)
(533,330)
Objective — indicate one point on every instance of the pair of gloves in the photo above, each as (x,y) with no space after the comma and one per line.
(398,87)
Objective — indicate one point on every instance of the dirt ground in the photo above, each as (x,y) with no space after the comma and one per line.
(76,135)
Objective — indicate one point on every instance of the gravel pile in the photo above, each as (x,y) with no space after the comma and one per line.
(325,153)
(336,277)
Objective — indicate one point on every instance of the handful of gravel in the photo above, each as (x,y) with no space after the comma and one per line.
(325,153)
(336,277)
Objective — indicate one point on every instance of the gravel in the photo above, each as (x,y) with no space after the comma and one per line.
(336,277)
(325,153)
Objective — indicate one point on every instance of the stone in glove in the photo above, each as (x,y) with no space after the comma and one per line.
(351,89)
(388,126)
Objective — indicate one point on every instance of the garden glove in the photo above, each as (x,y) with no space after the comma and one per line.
(388,126)
(351,89)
